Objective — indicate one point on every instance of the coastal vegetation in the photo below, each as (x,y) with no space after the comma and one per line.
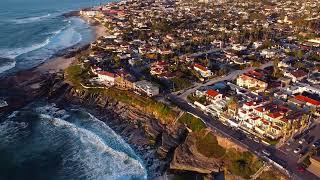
(77,74)
(207,145)
(73,75)
(240,163)
(159,110)
(180,83)
(243,164)
(195,124)
(272,174)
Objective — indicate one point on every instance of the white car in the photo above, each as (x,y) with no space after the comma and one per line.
(297,150)
(302,141)
(265,152)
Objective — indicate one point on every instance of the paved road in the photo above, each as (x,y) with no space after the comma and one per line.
(277,155)
(184,93)
(237,136)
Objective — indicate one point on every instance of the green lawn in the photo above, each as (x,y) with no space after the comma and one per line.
(195,124)
(161,111)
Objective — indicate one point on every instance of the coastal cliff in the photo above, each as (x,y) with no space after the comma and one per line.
(167,146)
(153,140)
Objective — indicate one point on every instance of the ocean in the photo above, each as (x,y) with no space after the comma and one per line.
(42,141)
(34,30)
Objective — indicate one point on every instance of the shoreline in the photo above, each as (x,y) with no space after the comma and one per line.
(64,59)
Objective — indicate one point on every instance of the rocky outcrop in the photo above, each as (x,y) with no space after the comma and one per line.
(154,141)
(229,144)
(161,146)
(22,88)
(187,158)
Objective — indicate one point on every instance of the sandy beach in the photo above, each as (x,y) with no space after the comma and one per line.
(60,63)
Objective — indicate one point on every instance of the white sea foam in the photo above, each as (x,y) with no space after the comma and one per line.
(13,53)
(94,157)
(30,19)
(13,114)
(7,66)
(68,37)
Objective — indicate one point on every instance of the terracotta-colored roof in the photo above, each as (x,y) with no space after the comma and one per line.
(254,73)
(265,121)
(307,100)
(161,63)
(260,109)
(284,120)
(250,103)
(274,115)
(199,66)
(299,73)
(105,73)
(255,118)
(212,93)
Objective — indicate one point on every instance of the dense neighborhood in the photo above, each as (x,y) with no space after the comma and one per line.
(254,66)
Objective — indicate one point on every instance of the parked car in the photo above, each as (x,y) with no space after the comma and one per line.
(316,144)
(304,151)
(300,169)
(256,139)
(297,150)
(265,152)
(301,141)
(304,139)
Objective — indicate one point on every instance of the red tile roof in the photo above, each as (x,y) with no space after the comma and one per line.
(105,73)
(307,100)
(212,93)
(284,120)
(265,122)
(199,66)
(275,115)
(260,109)
(255,74)
(255,118)
(299,73)
(250,103)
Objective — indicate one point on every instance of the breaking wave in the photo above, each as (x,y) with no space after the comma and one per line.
(80,146)
(13,53)
(30,19)
(6,64)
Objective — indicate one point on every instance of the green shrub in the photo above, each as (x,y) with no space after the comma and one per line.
(180,83)
(243,164)
(195,124)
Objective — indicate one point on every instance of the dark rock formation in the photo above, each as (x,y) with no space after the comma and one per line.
(187,158)
(155,142)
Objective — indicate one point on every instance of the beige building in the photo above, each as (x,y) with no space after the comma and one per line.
(123,83)
(252,83)
(314,167)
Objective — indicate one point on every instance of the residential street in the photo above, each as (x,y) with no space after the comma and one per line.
(239,137)
(184,93)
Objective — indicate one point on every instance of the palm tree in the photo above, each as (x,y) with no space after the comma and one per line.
(304,120)
(288,128)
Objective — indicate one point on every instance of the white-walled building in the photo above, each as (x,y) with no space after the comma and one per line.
(202,70)
(107,78)
(146,87)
